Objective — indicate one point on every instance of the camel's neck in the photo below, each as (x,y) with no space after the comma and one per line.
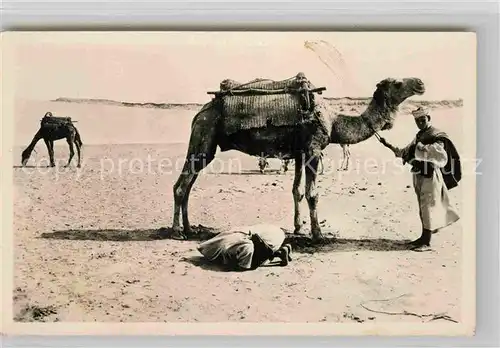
(378,116)
(355,129)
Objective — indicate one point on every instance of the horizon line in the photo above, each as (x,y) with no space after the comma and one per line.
(160,104)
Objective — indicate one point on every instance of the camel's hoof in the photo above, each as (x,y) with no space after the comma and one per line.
(175,232)
(177,235)
(318,238)
(188,232)
(298,231)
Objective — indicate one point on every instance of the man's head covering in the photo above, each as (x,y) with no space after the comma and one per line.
(420,112)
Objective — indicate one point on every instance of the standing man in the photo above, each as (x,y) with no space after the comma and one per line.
(436,169)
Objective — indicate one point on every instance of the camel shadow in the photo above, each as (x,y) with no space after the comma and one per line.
(299,243)
(121,235)
(247,172)
(304,244)
(29,167)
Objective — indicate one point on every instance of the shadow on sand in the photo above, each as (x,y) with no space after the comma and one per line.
(299,243)
(247,172)
(30,167)
(305,244)
(118,235)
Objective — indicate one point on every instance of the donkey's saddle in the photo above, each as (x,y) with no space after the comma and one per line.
(55,120)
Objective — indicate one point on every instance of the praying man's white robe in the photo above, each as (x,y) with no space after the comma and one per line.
(236,247)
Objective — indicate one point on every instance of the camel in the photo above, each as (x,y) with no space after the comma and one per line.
(207,132)
(51,129)
(346,154)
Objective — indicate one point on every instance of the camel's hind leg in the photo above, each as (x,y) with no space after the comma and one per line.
(296,191)
(345,157)
(71,149)
(312,194)
(78,152)
(201,151)
(78,143)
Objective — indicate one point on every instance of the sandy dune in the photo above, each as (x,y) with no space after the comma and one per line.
(87,247)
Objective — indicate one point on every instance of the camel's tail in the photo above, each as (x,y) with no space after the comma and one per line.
(78,139)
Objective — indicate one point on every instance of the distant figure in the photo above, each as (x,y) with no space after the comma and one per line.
(346,154)
(284,165)
(436,169)
(51,129)
(263,164)
(247,247)
(286,162)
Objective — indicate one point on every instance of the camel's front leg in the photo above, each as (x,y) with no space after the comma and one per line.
(312,195)
(50,150)
(346,154)
(296,191)
(181,190)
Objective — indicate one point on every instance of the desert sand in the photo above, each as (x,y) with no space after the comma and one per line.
(87,247)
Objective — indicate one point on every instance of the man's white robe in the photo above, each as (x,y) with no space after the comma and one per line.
(432,194)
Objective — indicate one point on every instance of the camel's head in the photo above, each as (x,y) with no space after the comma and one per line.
(392,92)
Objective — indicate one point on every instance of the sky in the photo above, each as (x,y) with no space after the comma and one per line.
(182,67)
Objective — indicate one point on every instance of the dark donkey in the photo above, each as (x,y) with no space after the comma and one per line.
(51,129)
